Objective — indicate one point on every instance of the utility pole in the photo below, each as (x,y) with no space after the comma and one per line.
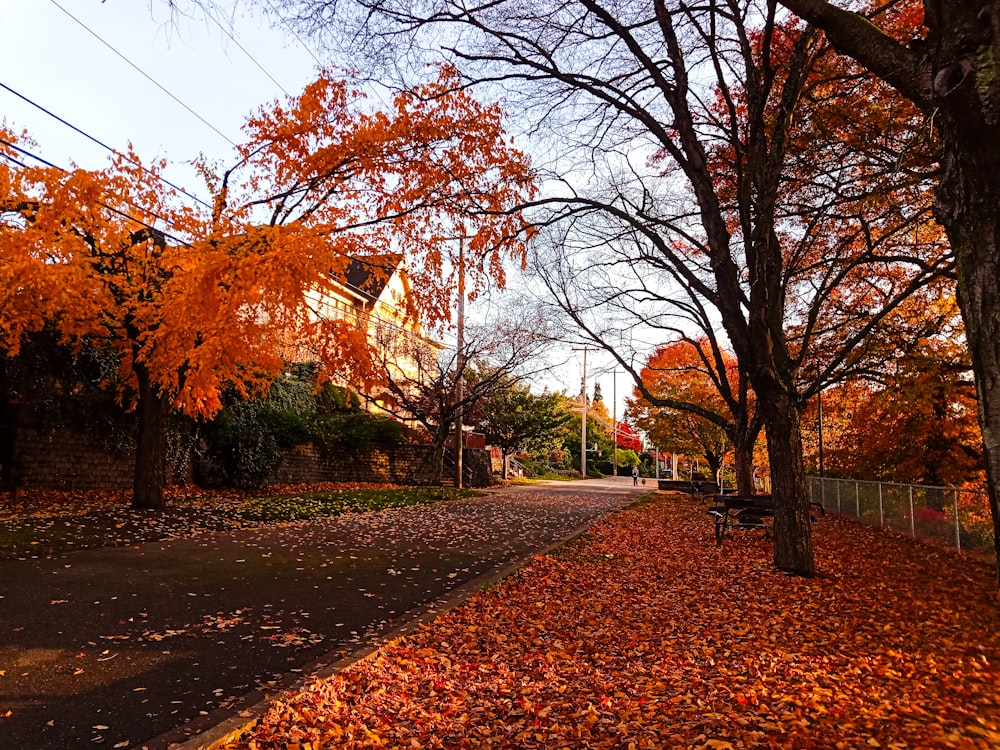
(614,420)
(583,419)
(819,399)
(460,364)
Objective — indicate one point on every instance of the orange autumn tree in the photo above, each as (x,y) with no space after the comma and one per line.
(913,418)
(193,301)
(693,399)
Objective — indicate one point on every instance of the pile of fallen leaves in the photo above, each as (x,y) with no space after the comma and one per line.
(644,635)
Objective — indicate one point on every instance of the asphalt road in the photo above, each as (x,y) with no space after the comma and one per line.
(146,645)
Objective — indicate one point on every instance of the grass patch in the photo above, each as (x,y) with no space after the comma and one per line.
(318,504)
(542,478)
(647,499)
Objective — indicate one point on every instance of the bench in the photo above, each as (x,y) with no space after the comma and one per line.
(694,488)
(735,511)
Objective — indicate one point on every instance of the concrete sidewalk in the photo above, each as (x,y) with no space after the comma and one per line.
(165,640)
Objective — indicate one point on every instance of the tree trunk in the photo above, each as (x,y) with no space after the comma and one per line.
(743,467)
(793,551)
(440,445)
(968,206)
(714,462)
(147,488)
(503,453)
(952,75)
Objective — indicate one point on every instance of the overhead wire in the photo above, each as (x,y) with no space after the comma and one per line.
(112,209)
(144,74)
(209,14)
(101,143)
(291,30)
(113,150)
(252,59)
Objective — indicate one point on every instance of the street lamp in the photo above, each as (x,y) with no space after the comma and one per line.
(583,417)
(614,420)
(460,365)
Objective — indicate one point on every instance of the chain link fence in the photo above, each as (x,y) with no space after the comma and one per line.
(955,517)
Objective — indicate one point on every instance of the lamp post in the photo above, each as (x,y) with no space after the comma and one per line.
(583,420)
(460,365)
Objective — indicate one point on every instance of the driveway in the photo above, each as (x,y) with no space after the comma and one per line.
(142,646)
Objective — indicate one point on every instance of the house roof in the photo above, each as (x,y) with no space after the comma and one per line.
(371,274)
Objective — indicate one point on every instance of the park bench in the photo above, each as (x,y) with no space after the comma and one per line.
(697,489)
(735,511)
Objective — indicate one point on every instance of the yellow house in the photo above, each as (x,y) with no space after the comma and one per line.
(374,293)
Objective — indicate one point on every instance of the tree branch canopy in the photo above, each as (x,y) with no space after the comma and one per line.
(857,37)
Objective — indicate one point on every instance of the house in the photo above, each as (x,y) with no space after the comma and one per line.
(374,292)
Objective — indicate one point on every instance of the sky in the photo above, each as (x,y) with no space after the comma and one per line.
(125,71)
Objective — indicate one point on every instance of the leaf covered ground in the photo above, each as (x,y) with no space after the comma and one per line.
(643,635)
(161,640)
(45,522)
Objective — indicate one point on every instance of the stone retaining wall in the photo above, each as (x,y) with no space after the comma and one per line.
(68,460)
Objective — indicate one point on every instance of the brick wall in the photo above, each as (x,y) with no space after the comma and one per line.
(405,464)
(65,460)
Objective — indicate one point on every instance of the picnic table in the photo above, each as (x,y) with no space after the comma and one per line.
(735,511)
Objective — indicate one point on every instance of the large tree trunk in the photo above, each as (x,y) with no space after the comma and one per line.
(952,75)
(714,462)
(437,466)
(968,205)
(147,488)
(743,467)
(793,551)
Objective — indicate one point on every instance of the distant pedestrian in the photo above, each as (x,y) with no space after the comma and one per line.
(635,476)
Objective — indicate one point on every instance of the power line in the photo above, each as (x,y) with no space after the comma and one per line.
(292,31)
(112,209)
(113,150)
(228,33)
(144,74)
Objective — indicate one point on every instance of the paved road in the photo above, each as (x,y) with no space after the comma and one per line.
(142,646)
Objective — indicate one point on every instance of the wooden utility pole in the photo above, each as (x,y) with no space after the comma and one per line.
(583,416)
(460,364)
(614,421)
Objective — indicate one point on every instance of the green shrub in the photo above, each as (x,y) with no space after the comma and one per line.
(357,430)
(333,399)
(247,440)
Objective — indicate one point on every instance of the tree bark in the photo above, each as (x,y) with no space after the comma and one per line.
(147,488)
(968,205)
(953,76)
(793,550)
(440,443)
(743,467)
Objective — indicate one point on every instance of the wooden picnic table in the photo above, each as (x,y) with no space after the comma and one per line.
(735,511)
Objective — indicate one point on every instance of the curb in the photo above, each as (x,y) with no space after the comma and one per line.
(229,725)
